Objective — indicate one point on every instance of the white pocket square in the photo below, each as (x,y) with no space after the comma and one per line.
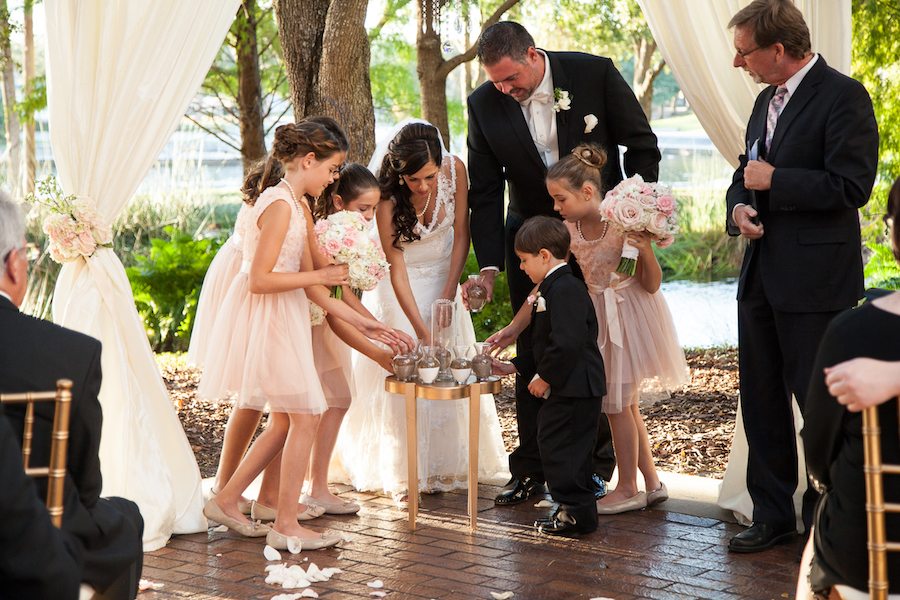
(590,121)
(541,305)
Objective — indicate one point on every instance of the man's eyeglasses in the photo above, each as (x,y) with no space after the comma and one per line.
(29,252)
(747,53)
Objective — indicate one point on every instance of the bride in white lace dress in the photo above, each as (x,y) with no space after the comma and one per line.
(423,227)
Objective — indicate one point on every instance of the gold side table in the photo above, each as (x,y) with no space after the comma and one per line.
(448,390)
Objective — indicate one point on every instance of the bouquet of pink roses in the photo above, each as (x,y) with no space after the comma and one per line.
(343,238)
(74,226)
(634,206)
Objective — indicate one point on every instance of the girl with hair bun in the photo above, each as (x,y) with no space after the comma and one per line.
(638,341)
(643,348)
(422,221)
(266,355)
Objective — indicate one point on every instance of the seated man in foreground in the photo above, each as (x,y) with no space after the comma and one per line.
(33,355)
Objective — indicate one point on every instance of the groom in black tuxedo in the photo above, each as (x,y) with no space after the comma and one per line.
(536,107)
(812,145)
(33,355)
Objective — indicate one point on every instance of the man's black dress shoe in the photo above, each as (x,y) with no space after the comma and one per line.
(517,490)
(600,486)
(759,537)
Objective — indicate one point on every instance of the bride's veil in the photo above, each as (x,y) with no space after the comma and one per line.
(382,147)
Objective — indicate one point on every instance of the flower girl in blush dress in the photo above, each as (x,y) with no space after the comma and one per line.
(267,356)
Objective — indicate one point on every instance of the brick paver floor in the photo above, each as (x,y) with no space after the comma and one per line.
(652,553)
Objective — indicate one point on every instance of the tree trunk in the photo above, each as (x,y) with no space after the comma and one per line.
(30,162)
(429,66)
(249,97)
(645,73)
(9,100)
(345,90)
(433,70)
(301,27)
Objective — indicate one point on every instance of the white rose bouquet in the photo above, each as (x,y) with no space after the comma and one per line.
(74,227)
(343,238)
(634,206)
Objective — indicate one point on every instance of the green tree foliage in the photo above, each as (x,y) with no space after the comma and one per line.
(876,63)
(395,87)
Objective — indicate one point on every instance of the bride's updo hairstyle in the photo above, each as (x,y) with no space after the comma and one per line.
(414,147)
(291,141)
(583,165)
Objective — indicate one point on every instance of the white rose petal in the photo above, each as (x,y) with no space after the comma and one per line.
(376,584)
(271,568)
(288,584)
(378,594)
(220,529)
(590,121)
(308,594)
(503,596)
(330,571)
(544,504)
(293,545)
(271,553)
(346,537)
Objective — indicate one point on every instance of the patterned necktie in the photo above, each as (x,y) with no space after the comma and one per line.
(775,106)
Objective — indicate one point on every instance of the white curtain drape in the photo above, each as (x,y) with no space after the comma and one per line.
(693,38)
(120,76)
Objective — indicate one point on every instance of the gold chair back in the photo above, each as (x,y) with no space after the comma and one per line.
(56,470)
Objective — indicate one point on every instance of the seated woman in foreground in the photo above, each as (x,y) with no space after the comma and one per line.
(832,436)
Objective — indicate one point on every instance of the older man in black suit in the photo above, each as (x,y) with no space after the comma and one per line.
(33,355)
(812,145)
(536,107)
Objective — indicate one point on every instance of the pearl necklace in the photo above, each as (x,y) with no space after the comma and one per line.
(602,235)
(427,202)
(294,198)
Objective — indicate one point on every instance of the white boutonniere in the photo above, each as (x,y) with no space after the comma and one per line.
(590,121)
(561,100)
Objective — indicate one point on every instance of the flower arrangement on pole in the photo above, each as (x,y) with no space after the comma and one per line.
(635,206)
(74,226)
(343,238)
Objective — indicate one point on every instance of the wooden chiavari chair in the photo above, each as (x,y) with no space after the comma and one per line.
(56,470)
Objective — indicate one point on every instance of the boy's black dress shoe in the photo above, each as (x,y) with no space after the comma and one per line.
(759,537)
(517,490)
(559,524)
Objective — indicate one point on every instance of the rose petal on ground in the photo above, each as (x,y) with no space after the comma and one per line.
(330,571)
(376,584)
(286,597)
(378,594)
(346,537)
(308,594)
(146,584)
(270,568)
(220,529)
(503,596)
(271,553)
(288,583)
(544,504)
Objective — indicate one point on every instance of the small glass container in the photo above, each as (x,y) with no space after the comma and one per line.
(404,367)
(461,366)
(476,295)
(429,365)
(482,361)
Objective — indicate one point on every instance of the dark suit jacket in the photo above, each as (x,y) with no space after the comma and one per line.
(825,153)
(33,355)
(37,560)
(565,352)
(501,148)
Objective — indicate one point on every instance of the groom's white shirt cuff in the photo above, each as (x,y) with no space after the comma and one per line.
(495,269)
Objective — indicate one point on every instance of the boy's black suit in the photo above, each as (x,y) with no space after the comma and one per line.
(565,355)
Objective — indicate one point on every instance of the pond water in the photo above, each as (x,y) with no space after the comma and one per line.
(705,314)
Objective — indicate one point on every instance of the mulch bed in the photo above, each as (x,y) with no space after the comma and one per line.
(690,432)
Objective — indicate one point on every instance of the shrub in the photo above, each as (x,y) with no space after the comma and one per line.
(166,286)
